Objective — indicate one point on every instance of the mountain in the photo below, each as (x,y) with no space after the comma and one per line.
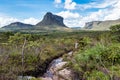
(49,22)
(17,26)
(101,25)
(52,22)
(50,19)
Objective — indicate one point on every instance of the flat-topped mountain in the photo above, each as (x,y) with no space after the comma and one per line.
(101,25)
(51,20)
(17,26)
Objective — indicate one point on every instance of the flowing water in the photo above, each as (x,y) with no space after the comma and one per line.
(55,64)
(50,72)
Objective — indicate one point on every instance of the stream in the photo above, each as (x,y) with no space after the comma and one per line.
(52,69)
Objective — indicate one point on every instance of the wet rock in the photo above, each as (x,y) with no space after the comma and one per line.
(25,77)
(59,66)
(56,70)
(70,53)
(46,78)
(66,74)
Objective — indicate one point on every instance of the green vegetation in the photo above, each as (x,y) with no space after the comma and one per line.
(115,28)
(99,61)
(96,58)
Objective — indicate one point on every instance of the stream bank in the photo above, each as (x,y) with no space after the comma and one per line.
(57,71)
(48,72)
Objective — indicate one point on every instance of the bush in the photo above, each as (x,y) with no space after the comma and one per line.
(97,75)
(115,28)
(95,58)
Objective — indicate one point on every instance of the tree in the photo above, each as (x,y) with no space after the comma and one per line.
(115,28)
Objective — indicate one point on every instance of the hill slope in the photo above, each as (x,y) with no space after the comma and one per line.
(101,25)
(17,26)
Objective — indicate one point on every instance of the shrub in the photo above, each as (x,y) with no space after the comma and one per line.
(97,75)
(115,28)
(97,57)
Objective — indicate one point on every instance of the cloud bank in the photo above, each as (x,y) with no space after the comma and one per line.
(106,10)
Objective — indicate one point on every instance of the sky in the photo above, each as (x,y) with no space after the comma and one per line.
(75,12)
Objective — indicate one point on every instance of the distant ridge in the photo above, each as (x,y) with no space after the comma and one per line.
(49,22)
(17,26)
(101,25)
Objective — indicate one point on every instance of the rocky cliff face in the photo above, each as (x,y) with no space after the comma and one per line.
(51,20)
(101,25)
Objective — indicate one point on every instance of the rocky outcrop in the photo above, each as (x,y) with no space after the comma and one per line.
(57,71)
(51,19)
(52,22)
(65,74)
(101,25)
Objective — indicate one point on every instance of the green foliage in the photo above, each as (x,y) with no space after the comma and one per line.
(99,56)
(39,51)
(115,31)
(91,53)
(94,51)
(35,79)
(97,75)
(115,28)
(115,70)
(5,36)
(106,38)
(116,38)
(16,39)
(83,42)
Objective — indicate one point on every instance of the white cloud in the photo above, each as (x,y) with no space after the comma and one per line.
(31,21)
(107,10)
(6,20)
(69,5)
(113,13)
(70,19)
(58,1)
(77,20)
(103,4)
(68,14)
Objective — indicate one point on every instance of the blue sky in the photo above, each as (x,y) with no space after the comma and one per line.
(75,12)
